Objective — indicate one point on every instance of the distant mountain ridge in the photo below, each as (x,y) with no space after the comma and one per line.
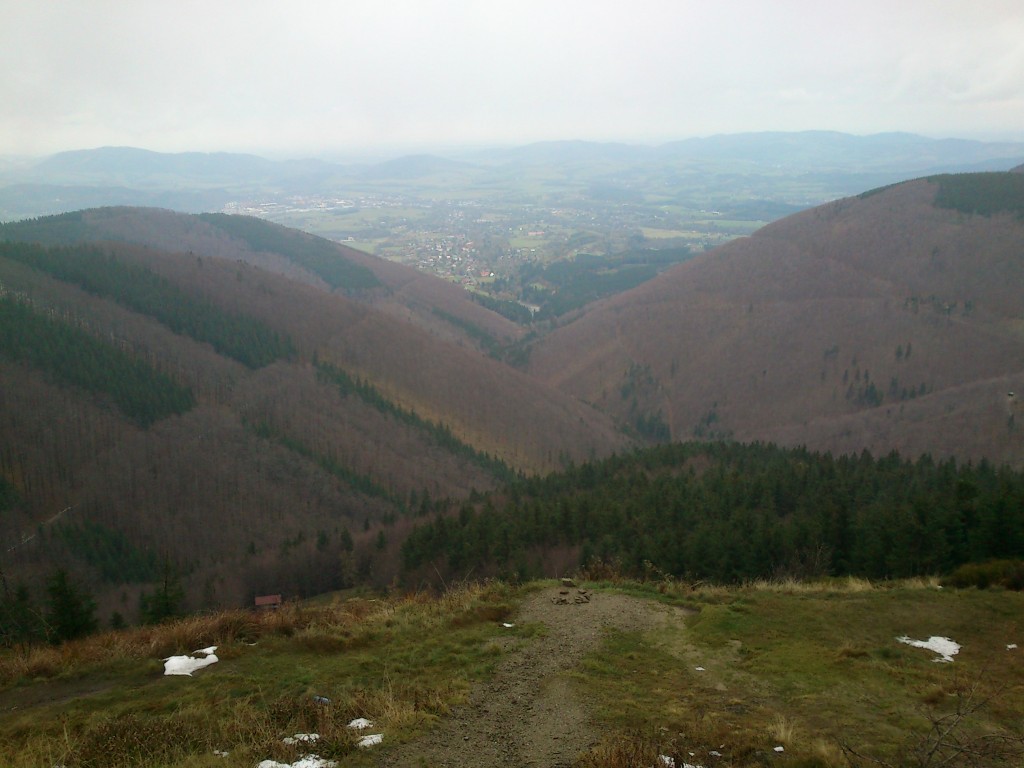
(222,176)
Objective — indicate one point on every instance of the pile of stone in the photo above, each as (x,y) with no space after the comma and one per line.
(566,596)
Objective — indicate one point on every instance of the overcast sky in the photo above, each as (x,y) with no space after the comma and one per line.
(305,78)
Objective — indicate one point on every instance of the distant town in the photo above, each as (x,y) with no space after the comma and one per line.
(480,242)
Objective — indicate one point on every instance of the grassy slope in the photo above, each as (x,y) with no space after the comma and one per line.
(104,701)
(804,667)
(810,668)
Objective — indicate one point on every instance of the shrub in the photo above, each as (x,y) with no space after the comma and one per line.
(1008,574)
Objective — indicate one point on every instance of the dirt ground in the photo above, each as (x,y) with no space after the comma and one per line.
(528,713)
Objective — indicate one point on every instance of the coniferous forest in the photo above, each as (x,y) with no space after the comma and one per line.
(73,356)
(245,339)
(728,512)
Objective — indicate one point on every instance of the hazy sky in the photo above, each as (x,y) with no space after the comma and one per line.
(302,78)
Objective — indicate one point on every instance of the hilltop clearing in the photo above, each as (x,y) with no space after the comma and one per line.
(543,675)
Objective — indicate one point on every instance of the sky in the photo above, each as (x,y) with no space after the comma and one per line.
(308,78)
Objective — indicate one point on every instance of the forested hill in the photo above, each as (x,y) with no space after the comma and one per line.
(727,512)
(891,320)
(435,305)
(188,411)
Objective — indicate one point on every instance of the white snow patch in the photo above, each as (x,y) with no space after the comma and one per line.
(669,762)
(370,740)
(309,761)
(1011,647)
(359,723)
(186,665)
(221,752)
(306,761)
(780,748)
(298,738)
(506,625)
(943,646)
(700,669)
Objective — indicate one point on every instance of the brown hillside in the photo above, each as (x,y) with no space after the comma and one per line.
(406,292)
(497,410)
(879,322)
(253,488)
(416,295)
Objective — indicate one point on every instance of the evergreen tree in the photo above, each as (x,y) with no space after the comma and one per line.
(71,611)
(20,621)
(165,602)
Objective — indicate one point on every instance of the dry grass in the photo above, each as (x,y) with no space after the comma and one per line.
(623,752)
(401,661)
(325,628)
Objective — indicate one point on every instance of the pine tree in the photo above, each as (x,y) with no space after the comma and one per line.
(71,611)
(20,621)
(165,603)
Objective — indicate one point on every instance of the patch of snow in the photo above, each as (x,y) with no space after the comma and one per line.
(669,762)
(780,748)
(309,761)
(221,752)
(1011,647)
(186,665)
(943,646)
(715,753)
(370,740)
(306,761)
(359,723)
(207,651)
(506,625)
(700,669)
(298,738)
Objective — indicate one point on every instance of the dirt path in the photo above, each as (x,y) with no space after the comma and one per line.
(528,714)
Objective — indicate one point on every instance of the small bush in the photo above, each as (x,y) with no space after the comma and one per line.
(1008,574)
(624,752)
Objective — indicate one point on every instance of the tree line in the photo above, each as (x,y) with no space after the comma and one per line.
(71,355)
(728,512)
(983,194)
(68,610)
(440,433)
(319,256)
(245,339)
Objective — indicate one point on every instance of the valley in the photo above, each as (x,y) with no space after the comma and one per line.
(319,404)
(770,464)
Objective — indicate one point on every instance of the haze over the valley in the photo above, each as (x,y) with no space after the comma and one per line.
(332,80)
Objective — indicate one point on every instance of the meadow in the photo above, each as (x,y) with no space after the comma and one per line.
(768,673)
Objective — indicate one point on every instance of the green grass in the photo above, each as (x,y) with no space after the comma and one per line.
(402,663)
(810,670)
(809,667)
